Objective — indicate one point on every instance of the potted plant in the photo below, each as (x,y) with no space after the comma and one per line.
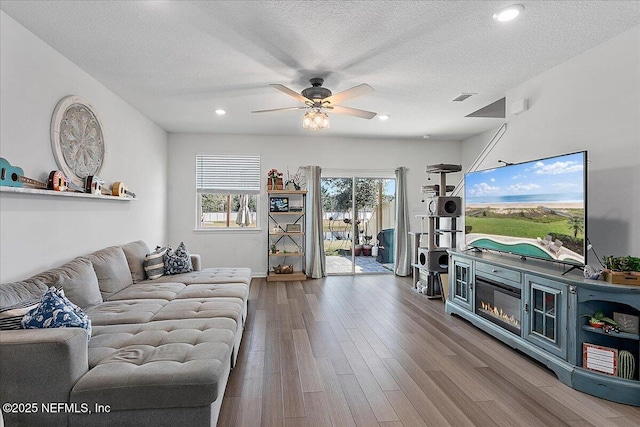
(598,319)
(623,270)
(366,248)
(274,249)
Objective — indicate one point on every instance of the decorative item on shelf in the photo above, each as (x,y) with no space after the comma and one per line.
(623,270)
(591,273)
(283,269)
(626,364)
(278,204)
(77,139)
(294,228)
(13,176)
(627,322)
(273,248)
(294,181)
(598,319)
(600,359)
(275,180)
(118,189)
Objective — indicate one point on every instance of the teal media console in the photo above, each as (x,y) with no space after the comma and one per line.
(539,309)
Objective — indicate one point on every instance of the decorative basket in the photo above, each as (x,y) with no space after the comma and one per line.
(622,278)
(283,269)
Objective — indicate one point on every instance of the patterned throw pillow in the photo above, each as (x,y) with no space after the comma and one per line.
(178,261)
(154,263)
(56,311)
(11,317)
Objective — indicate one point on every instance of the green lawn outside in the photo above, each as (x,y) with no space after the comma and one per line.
(518,227)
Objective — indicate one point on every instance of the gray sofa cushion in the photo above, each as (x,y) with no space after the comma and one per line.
(149,290)
(77,278)
(233,290)
(210,275)
(164,364)
(127,311)
(135,253)
(16,292)
(198,308)
(112,270)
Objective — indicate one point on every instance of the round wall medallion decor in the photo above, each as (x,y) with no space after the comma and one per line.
(77,139)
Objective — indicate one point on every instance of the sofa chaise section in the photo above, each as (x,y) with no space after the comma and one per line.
(156,365)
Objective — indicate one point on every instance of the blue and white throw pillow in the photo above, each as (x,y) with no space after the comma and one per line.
(56,311)
(178,261)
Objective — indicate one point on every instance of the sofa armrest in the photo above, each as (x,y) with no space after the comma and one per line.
(41,366)
(197,263)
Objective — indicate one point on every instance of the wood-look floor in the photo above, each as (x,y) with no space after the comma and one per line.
(367,351)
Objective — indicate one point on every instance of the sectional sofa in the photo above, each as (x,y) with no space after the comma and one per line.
(159,354)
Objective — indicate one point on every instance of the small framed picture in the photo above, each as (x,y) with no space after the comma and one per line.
(600,359)
(294,228)
(279,204)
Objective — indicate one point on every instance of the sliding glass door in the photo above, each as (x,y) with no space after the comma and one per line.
(358,224)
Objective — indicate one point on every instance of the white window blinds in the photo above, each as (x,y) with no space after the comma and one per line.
(228,173)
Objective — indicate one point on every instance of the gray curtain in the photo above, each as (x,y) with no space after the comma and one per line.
(402,251)
(314,237)
(244,214)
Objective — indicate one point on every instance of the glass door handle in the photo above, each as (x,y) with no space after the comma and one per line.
(526,306)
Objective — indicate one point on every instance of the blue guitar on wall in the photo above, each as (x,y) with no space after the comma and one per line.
(13,176)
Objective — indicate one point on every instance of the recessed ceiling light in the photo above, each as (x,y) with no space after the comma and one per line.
(220,112)
(426,136)
(384,117)
(508,13)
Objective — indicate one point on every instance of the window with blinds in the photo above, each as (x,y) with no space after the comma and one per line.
(230,174)
(228,188)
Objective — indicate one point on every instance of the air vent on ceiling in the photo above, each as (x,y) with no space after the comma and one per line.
(463,96)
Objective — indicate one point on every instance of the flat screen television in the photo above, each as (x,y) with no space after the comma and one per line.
(534,209)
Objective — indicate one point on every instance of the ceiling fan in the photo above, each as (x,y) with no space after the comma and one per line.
(318,100)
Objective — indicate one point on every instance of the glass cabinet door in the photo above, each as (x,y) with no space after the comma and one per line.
(461,284)
(545,319)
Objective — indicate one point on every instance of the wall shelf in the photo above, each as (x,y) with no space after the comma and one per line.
(42,192)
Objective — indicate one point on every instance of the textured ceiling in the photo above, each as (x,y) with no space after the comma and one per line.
(178,61)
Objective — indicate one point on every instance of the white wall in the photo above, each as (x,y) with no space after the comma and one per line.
(591,102)
(44,231)
(248,249)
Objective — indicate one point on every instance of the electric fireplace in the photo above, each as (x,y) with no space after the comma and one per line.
(499,303)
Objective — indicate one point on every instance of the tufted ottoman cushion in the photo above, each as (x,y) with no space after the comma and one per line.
(149,290)
(165,364)
(126,311)
(229,290)
(201,308)
(210,275)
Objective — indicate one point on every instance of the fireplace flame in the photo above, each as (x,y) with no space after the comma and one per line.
(499,314)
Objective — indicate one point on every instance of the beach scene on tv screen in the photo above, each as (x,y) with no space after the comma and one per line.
(534,209)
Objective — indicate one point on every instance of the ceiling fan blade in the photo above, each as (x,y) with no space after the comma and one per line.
(363,89)
(352,112)
(280,109)
(291,93)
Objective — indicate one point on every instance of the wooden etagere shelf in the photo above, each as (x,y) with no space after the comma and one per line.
(283,240)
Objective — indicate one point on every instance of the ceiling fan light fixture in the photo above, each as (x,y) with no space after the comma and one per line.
(384,117)
(508,13)
(315,120)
